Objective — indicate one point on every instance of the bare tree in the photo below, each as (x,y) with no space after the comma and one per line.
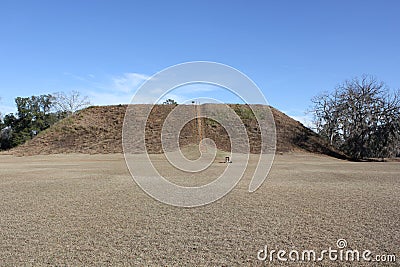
(360,117)
(71,102)
(1,119)
(326,116)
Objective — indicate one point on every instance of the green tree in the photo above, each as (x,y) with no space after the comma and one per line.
(2,130)
(1,121)
(170,101)
(33,116)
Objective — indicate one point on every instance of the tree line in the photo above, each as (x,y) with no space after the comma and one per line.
(360,117)
(37,113)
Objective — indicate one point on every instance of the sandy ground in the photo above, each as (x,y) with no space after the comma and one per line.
(80,210)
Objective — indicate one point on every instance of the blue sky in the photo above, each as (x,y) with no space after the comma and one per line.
(291,49)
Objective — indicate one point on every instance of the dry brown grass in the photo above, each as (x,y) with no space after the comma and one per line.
(85,210)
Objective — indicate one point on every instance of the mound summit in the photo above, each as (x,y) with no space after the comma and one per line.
(98,130)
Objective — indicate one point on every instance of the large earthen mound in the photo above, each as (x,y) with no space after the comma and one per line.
(98,130)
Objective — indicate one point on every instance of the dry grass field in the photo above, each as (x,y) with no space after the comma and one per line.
(86,210)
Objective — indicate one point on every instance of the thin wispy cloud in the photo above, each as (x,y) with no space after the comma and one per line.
(128,82)
(116,89)
(199,87)
(78,77)
(104,98)
(120,89)
(6,109)
(127,98)
(303,118)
